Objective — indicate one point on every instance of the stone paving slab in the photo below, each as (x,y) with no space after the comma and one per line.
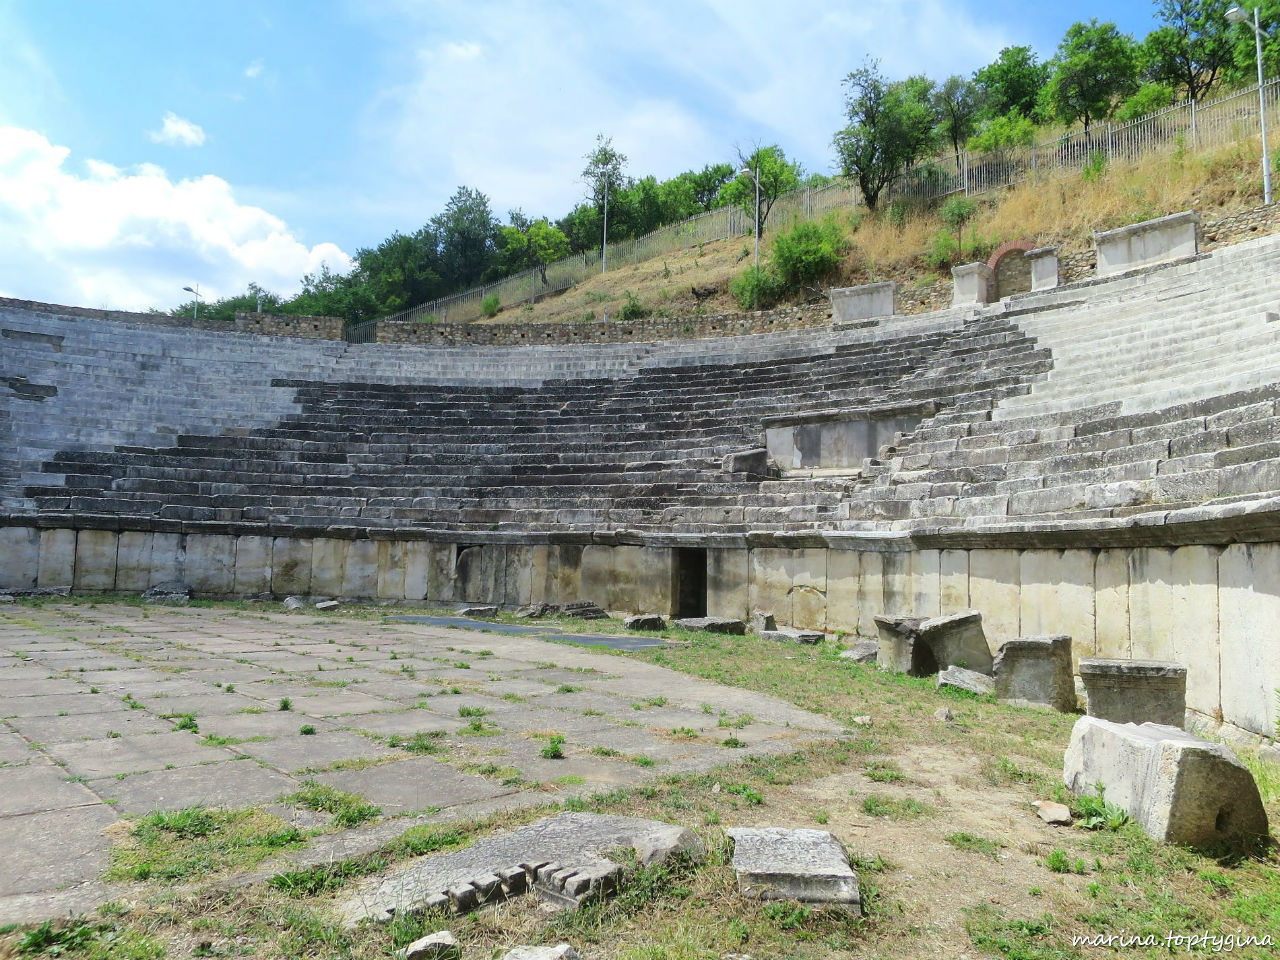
(296,753)
(234,783)
(94,759)
(419,783)
(774,863)
(190,652)
(11,689)
(55,847)
(40,786)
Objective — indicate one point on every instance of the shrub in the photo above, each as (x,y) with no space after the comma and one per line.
(553,748)
(809,251)
(756,288)
(1149,98)
(1004,133)
(632,309)
(490,305)
(943,251)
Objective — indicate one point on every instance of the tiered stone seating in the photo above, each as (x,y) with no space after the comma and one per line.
(1162,395)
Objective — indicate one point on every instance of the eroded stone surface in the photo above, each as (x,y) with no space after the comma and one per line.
(435,946)
(1036,671)
(645,621)
(1135,691)
(561,951)
(922,647)
(958,678)
(793,636)
(773,863)
(864,651)
(1180,788)
(565,857)
(713,624)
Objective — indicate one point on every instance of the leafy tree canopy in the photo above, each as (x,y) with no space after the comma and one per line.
(1011,83)
(1096,67)
(777,175)
(1193,47)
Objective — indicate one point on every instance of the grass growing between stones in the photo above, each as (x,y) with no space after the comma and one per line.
(196,842)
(969,878)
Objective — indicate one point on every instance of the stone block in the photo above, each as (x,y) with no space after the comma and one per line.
(57,558)
(762,620)
(1044,268)
(561,951)
(713,625)
(995,589)
(291,565)
(773,863)
(328,561)
(1036,672)
(415,571)
(253,566)
(435,946)
(953,582)
(1135,691)
(95,560)
(360,572)
(754,462)
(864,651)
(972,284)
(1142,244)
(809,589)
(169,557)
(210,565)
(1179,788)
(1249,609)
(19,558)
(958,678)
(645,621)
(793,636)
(844,573)
(133,561)
(922,647)
(863,302)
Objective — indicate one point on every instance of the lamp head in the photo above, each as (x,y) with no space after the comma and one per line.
(188,289)
(1236,14)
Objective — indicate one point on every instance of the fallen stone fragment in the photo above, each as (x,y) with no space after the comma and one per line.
(713,624)
(536,611)
(565,858)
(958,678)
(645,621)
(1036,672)
(170,591)
(480,611)
(754,462)
(774,863)
(864,651)
(293,603)
(862,721)
(435,946)
(922,647)
(1135,691)
(1179,788)
(6,598)
(762,620)
(328,605)
(1054,813)
(559,952)
(793,636)
(43,592)
(583,610)
(944,714)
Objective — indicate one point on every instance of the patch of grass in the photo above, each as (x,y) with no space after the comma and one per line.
(307,730)
(1059,862)
(1016,939)
(642,760)
(892,808)
(286,704)
(733,743)
(472,712)
(186,721)
(974,844)
(684,733)
(347,809)
(750,794)
(553,749)
(1094,812)
(568,688)
(424,741)
(197,841)
(883,771)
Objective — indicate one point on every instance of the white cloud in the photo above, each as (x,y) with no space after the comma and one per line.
(178,131)
(254,70)
(131,239)
(507,97)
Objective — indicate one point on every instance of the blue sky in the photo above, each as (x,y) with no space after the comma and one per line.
(145,145)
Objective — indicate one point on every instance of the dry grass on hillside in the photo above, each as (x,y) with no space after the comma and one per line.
(1063,210)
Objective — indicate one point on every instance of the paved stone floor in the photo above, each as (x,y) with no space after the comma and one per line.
(88,697)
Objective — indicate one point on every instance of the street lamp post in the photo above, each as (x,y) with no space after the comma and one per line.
(604,236)
(195,308)
(1237,15)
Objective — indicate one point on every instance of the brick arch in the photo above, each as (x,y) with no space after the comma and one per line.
(1012,274)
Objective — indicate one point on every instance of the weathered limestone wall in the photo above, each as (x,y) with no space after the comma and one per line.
(1212,608)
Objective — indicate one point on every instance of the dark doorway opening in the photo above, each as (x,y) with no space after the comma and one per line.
(690,586)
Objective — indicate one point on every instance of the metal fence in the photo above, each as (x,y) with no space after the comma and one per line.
(1185,126)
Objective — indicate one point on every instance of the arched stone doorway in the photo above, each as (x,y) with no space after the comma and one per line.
(1011,270)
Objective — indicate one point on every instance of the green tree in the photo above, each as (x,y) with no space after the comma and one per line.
(1012,82)
(467,231)
(1192,48)
(604,177)
(891,125)
(401,272)
(1096,67)
(1003,133)
(956,102)
(1243,68)
(329,294)
(777,176)
(1148,98)
(956,212)
(531,245)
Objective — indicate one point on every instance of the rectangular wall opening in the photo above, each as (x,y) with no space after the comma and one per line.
(690,587)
